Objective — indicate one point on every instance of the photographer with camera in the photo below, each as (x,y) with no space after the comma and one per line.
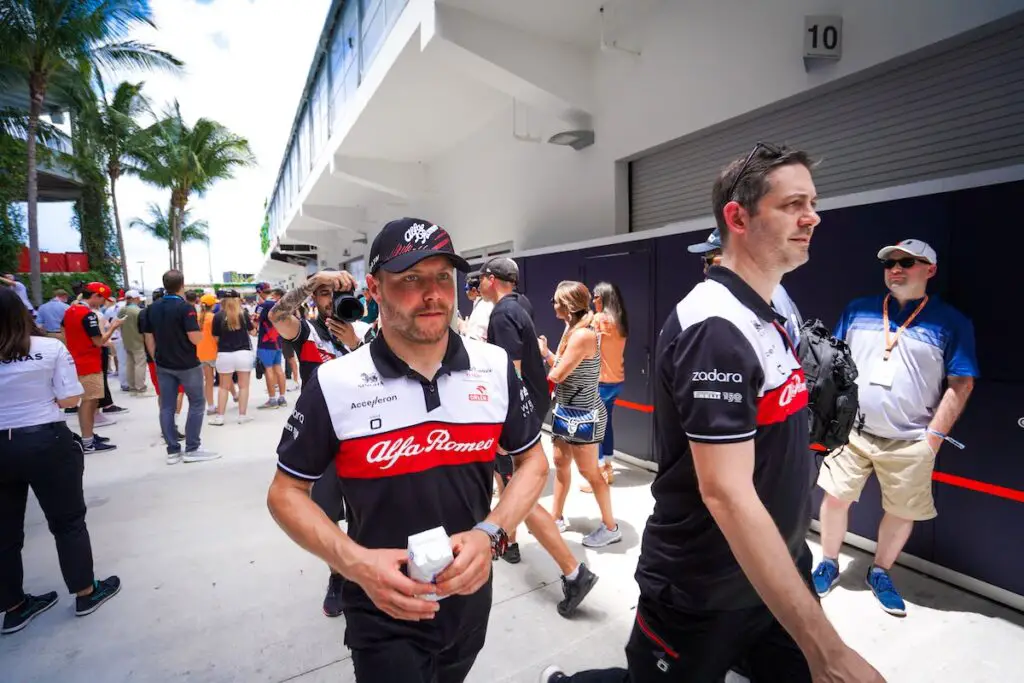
(336,331)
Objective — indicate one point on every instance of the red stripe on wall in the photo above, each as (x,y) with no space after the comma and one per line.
(634,406)
(941,477)
(980,486)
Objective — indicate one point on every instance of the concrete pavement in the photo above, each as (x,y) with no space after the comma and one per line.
(213,591)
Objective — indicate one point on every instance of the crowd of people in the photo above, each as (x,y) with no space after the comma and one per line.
(410,417)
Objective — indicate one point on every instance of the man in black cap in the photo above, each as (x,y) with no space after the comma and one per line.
(411,422)
(511,328)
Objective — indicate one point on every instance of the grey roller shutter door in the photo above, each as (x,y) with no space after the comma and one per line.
(936,115)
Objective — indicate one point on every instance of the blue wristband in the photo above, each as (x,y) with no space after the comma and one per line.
(946,437)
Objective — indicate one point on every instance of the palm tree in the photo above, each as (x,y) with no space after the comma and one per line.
(118,133)
(188,160)
(51,46)
(159,226)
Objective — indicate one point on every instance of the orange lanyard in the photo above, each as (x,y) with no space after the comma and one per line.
(890,345)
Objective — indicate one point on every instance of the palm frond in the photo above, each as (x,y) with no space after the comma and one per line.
(132,54)
(14,123)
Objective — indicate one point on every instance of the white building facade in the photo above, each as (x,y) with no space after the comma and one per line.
(582,137)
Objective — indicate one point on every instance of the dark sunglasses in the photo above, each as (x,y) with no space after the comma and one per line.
(907,262)
(771,149)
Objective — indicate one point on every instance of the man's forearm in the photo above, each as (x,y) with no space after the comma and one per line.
(290,302)
(523,491)
(952,404)
(307,525)
(150,344)
(755,541)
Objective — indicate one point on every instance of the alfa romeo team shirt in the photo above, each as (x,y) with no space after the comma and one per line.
(315,346)
(725,373)
(412,454)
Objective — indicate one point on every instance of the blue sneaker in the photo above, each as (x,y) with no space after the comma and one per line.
(888,597)
(825,577)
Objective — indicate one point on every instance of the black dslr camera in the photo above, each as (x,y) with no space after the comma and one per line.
(346,307)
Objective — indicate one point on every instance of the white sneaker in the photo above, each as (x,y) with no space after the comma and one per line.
(174,458)
(216,421)
(242,419)
(561,525)
(200,455)
(102,420)
(211,410)
(602,536)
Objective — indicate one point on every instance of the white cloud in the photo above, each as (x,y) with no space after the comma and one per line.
(252,87)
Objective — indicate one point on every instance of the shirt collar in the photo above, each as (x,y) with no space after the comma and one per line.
(738,287)
(388,364)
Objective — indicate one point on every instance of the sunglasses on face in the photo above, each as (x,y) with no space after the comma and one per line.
(906,262)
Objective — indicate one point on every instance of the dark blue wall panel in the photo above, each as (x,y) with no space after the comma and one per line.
(977,274)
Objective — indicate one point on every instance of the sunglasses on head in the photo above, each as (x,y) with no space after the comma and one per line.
(771,149)
(906,262)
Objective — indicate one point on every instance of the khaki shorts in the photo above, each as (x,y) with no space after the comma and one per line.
(904,471)
(93,385)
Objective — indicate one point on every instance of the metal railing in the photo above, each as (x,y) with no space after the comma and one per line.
(351,38)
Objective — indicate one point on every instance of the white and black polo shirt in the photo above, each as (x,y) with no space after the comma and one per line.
(725,373)
(314,345)
(412,454)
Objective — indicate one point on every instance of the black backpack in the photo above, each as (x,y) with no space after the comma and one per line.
(831,385)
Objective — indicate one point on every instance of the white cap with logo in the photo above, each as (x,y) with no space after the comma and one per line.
(131,294)
(918,248)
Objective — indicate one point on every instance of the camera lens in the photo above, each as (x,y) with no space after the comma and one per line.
(346,307)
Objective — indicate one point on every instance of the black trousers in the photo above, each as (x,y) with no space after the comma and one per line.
(52,464)
(670,646)
(107,399)
(402,661)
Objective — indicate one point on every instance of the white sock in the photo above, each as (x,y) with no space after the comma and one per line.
(574,574)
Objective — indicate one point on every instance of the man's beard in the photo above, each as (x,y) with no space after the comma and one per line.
(404,324)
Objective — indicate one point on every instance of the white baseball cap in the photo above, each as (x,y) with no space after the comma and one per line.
(132,294)
(918,248)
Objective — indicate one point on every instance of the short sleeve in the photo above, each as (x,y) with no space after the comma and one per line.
(65,376)
(91,324)
(522,423)
(502,331)
(246,320)
(843,326)
(308,443)
(716,378)
(961,359)
(190,318)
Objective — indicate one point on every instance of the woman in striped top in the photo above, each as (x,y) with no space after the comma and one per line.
(576,371)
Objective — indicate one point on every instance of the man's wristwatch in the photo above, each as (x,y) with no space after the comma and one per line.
(499,539)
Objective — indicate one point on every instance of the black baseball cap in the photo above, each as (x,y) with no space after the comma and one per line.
(502,268)
(404,242)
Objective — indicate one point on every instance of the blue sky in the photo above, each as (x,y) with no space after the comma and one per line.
(246,63)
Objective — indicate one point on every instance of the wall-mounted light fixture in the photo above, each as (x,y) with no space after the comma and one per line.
(577,139)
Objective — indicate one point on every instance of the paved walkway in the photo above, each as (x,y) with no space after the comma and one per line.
(213,591)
